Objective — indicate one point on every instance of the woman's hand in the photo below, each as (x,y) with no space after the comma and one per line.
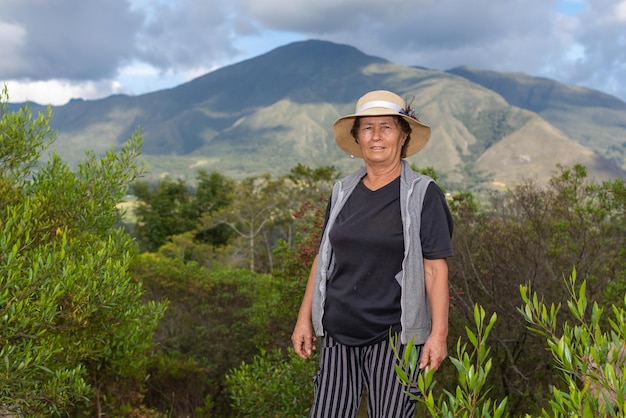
(303,339)
(434,353)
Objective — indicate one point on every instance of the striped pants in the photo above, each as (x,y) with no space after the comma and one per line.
(343,373)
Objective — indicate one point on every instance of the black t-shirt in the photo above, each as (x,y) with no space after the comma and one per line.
(362,293)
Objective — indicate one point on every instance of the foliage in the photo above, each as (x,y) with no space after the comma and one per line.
(158,215)
(258,204)
(171,207)
(215,320)
(75,333)
(240,223)
(272,385)
(24,140)
(528,233)
(612,197)
(179,385)
(264,212)
(220,316)
(592,361)
(470,397)
(294,262)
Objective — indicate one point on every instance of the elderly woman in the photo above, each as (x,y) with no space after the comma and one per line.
(381,268)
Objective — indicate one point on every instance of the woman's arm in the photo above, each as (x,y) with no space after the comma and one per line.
(436,280)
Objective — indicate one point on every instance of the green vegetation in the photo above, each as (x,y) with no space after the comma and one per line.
(75,334)
(276,382)
(85,330)
(488,126)
(169,208)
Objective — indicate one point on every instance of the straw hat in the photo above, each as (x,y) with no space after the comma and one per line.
(381,103)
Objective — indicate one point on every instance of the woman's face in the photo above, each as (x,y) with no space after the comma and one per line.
(380,139)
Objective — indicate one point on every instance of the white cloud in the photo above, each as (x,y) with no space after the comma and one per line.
(58,92)
(620,11)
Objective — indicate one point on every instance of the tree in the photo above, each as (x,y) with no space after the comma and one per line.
(308,190)
(161,212)
(612,198)
(213,192)
(170,208)
(240,223)
(258,203)
(74,331)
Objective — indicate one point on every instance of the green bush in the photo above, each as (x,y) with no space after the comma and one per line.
(75,334)
(215,320)
(272,385)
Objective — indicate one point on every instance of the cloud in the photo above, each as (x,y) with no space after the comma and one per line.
(574,41)
(447,33)
(12,39)
(97,48)
(328,16)
(600,37)
(57,92)
(189,33)
(68,39)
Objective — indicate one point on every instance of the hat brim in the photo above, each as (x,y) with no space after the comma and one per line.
(420,132)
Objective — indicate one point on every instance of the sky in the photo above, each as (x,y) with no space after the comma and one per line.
(54,50)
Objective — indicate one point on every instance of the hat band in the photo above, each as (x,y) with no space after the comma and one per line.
(379,103)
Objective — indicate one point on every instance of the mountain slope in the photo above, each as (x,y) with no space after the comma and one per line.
(526,153)
(268,113)
(594,119)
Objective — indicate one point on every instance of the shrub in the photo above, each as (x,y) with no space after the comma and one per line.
(272,385)
(74,331)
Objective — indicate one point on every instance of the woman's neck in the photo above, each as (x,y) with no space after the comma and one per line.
(379,176)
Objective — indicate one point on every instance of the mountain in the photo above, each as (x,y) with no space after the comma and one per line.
(593,119)
(268,113)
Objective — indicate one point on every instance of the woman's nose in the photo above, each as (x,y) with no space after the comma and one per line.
(377,133)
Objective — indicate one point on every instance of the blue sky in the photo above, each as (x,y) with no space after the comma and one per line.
(571,7)
(55,50)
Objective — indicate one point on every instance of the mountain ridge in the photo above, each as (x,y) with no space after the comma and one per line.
(270,112)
